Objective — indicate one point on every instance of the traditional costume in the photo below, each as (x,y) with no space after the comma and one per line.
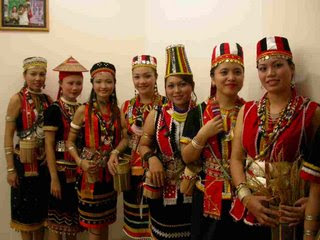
(136,210)
(29,198)
(214,192)
(170,214)
(275,147)
(97,198)
(63,214)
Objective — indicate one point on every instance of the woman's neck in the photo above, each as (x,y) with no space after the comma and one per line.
(146,98)
(278,101)
(226,102)
(102,101)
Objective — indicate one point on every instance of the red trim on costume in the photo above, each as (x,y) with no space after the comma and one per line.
(309,177)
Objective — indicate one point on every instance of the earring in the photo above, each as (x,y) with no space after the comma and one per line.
(292,83)
(156,88)
(135,92)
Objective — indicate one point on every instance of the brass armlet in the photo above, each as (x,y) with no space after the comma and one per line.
(115,151)
(309,233)
(75,126)
(147,136)
(10,119)
(311,218)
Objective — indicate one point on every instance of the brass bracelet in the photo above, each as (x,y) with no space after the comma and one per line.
(80,162)
(311,218)
(75,126)
(309,233)
(147,136)
(70,148)
(11,170)
(115,151)
(196,145)
(243,192)
(10,119)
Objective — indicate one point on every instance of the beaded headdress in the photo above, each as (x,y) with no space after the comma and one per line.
(144,61)
(33,62)
(102,67)
(273,46)
(177,62)
(227,52)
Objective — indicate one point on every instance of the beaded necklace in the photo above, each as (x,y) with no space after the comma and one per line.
(269,131)
(179,115)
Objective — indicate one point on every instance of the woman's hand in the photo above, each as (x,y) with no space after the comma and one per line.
(12,179)
(293,214)
(212,127)
(112,163)
(264,215)
(157,172)
(89,166)
(55,188)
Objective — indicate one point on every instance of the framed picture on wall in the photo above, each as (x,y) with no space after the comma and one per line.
(26,15)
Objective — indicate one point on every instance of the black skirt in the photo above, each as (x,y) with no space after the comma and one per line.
(170,221)
(63,216)
(29,201)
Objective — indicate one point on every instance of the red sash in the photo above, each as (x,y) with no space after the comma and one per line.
(30,112)
(217,186)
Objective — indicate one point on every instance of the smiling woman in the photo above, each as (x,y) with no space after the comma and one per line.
(25,162)
(63,203)
(99,120)
(273,135)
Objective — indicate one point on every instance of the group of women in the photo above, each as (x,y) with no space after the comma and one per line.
(196,170)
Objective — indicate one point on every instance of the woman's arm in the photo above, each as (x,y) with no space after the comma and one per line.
(147,151)
(255,204)
(51,160)
(113,160)
(13,110)
(191,152)
(76,125)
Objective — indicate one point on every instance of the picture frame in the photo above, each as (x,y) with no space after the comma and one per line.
(24,15)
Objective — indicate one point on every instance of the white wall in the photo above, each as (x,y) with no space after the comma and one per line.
(116,30)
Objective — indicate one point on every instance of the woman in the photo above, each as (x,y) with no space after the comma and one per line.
(310,172)
(63,217)
(207,136)
(25,162)
(272,135)
(160,148)
(133,115)
(100,121)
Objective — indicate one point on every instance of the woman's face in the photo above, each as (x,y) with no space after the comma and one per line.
(35,78)
(228,78)
(144,79)
(14,9)
(178,91)
(71,87)
(275,74)
(103,85)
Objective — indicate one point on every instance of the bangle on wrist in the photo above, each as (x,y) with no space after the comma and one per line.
(147,156)
(309,233)
(115,151)
(195,144)
(242,191)
(80,162)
